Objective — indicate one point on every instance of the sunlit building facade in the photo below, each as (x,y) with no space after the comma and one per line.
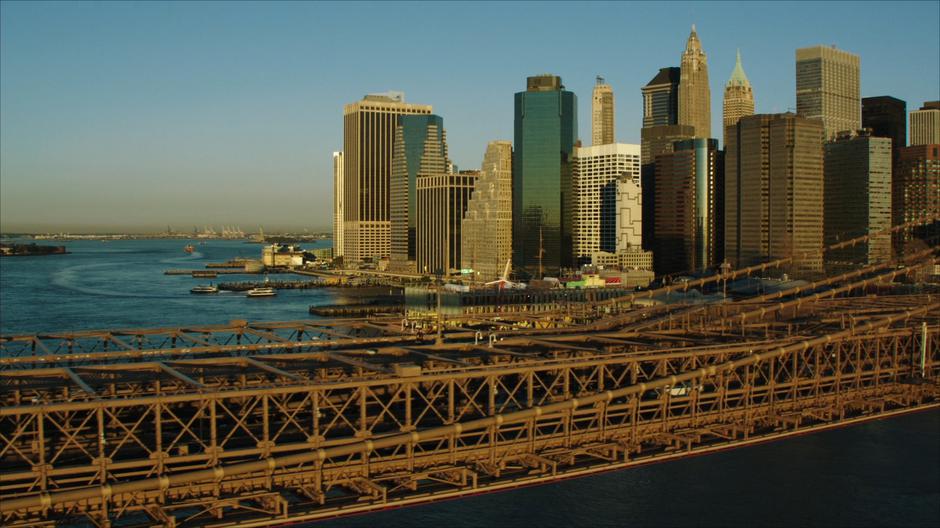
(486,235)
(368,138)
(596,171)
(828,88)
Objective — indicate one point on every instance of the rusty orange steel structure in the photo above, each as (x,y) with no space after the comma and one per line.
(254,424)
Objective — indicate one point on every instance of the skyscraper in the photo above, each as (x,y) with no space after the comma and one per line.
(656,140)
(410,157)
(887,118)
(827,88)
(338,199)
(595,174)
(546,127)
(857,202)
(915,193)
(688,207)
(739,98)
(694,94)
(925,124)
(661,98)
(368,136)
(774,190)
(747,210)
(442,202)
(486,234)
(602,113)
(628,222)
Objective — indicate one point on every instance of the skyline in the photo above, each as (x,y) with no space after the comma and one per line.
(107,107)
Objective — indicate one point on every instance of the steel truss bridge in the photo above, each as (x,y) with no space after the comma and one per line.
(265,423)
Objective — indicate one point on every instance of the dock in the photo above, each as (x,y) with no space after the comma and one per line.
(276,284)
(208,273)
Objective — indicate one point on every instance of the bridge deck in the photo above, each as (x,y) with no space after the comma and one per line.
(260,423)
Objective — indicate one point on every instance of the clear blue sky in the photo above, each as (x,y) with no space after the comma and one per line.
(138,115)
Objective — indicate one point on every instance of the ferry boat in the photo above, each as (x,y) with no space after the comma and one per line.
(205,289)
(261,292)
(189,248)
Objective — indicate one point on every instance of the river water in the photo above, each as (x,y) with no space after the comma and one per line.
(883,473)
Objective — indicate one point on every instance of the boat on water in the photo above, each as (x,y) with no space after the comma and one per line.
(205,289)
(189,248)
(261,292)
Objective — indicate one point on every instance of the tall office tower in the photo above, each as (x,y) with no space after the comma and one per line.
(338,199)
(857,190)
(659,132)
(887,118)
(747,210)
(661,98)
(442,202)
(628,221)
(368,135)
(546,127)
(774,190)
(925,124)
(602,113)
(486,234)
(827,88)
(695,100)
(915,193)
(739,98)
(595,172)
(688,207)
(656,140)
(409,159)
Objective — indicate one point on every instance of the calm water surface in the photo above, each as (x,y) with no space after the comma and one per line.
(884,473)
(121,284)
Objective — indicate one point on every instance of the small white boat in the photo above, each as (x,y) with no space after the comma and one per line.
(205,289)
(261,292)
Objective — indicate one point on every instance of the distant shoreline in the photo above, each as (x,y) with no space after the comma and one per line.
(30,250)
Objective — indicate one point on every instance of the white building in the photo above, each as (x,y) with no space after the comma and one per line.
(925,124)
(596,171)
(338,210)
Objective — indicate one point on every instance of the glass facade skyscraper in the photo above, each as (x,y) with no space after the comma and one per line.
(546,128)
(408,159)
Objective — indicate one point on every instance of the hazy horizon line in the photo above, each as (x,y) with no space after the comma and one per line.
(146,229)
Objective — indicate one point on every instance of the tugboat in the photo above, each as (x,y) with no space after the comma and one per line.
(189,248)
(262,292)
(205,289)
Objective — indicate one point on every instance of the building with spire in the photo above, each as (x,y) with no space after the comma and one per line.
(739,98)
(602,113)
(694,93)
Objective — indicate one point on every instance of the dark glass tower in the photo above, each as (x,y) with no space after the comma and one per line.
(412,132)
(886,116)
(546,128)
